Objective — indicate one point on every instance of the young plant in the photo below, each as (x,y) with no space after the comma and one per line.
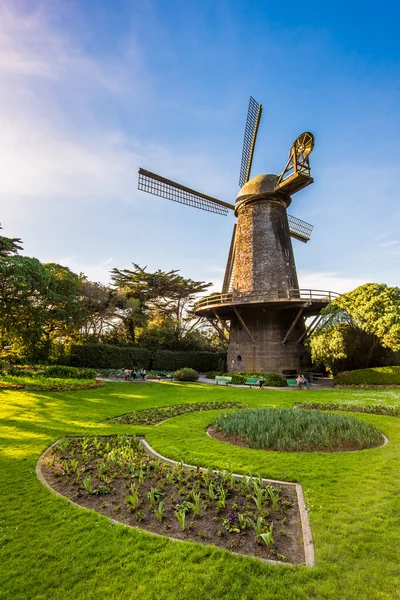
(221,497)
(87,482)
(133,499)
(195,505)
(273,493)
(211,492)
(257,525)
(181,516)
(258,498)
(243,522)
(154,496)
(74,465)
(159,512)
(141,476)
(267,536)
(169,476)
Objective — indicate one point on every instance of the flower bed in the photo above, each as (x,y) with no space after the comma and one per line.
(290,430)
(38,383)
(377,409)
(116,477)
(152,416)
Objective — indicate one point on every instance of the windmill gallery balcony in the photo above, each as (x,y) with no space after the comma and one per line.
(312,300)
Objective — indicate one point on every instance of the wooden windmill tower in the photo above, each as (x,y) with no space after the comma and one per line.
(261,311)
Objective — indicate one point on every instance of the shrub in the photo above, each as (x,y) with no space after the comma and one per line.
(271,379)
(186,374)
(374,376)
(20,372)
(275,380)
(213,374)
(61,372)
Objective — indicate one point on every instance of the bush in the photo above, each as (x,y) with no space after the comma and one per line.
(374,376)
(20,372)
(186,374)
(275,380)
(213,374)
(61,372)
(271,379)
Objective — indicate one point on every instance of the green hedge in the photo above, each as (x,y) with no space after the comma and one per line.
(61,372)
(374,376)
(107,356)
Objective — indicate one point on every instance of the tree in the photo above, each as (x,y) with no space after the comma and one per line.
(99,304)
(162,293)
(375,308)
(359,329)
(65,310)
(9,246)
(24,284)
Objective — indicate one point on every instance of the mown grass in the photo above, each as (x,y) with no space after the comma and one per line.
(50,549)
(297,430)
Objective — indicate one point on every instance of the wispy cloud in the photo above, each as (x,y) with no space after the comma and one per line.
(329,281)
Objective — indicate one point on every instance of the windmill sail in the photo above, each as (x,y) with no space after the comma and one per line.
(229,266)
(299,229)
(160,186)
(250,134)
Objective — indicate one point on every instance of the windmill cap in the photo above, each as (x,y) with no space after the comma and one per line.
(262,184)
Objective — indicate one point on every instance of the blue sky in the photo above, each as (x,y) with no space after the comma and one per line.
(92,89)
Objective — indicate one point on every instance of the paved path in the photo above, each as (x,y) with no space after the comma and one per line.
(324,384)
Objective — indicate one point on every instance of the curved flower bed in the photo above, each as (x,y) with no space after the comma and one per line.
(289,430)
(115,476)
(152,416)
(373,409)
(38,384)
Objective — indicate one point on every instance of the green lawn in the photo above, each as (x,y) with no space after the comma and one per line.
(50,549)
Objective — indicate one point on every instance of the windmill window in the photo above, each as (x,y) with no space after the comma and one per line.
(239,358)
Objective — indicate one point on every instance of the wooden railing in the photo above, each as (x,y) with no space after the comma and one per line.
(236,297)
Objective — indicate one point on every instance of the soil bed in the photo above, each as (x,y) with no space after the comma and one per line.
(157,415)
(99,473)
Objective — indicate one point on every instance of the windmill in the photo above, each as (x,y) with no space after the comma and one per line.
(261,311)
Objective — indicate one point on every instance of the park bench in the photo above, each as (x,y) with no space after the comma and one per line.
(221,379)
(252,381)
(291,382)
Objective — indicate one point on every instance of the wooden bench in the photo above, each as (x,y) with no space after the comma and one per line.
(221,379)
(252,381)
(291,382)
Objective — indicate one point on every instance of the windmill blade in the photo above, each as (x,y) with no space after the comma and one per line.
(160,186)
(229,265)
(250,134)
(299,229)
